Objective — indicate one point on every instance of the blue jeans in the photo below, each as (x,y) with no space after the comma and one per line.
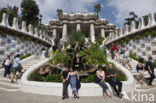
(104,87)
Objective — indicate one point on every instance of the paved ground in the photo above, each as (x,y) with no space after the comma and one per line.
(20,97)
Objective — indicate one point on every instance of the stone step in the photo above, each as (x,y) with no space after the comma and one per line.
(11,85)
(7,80)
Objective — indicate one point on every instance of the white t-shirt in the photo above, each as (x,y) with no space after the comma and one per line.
(7,62)
(101,73)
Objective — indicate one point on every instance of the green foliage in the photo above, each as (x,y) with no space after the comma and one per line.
(25,56)
(2,33)
(11,11)
(60,57)
(145,19)
(93,55)
(147,33)
(30,12)
(127,39)
(97,9)
(76,36)
(99,40)
(133,17)
(52,78)
(36,76)
(59,12)
(120,76)
(90,78)
(153,33)
(133,57)
(137,37)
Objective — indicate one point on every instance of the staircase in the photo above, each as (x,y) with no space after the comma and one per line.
(5,83)
(136,75)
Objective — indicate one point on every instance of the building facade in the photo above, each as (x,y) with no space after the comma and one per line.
(87,23)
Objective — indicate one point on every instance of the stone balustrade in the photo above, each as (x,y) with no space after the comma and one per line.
(130,30)
(39,34)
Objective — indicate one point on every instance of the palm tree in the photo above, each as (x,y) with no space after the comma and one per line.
(97,9)
(59,12)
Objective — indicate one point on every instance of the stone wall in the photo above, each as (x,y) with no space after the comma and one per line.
(144,47)
(13,44)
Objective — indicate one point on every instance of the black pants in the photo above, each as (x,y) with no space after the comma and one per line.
(114,85)
(152,76)
(65,89)
(7,70)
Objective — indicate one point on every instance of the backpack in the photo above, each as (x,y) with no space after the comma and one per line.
(3,64)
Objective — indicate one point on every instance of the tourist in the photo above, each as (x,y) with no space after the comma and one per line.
(45,70)
(127,60)
(16,67)
(73,77)
(114,50)
(100,79)
(150,68)
(65,83)
(105,49)
(12,61)
(7,64)
(46,52)
(122,54)
(140,69)
(111,74)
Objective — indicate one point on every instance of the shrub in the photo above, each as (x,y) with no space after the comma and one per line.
(25,56)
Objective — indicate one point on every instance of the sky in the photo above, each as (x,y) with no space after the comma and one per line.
(114,11)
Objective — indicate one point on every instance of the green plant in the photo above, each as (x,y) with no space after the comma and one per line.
(153,33)
(2,33)
(127,39)
(137,37)
(147,33)
(99,40)
(36,76)
(76,36)
(133,57)
(93,55)
(60,57)
(25,56)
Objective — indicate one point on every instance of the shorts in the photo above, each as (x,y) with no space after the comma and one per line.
(141,71)
(15,69)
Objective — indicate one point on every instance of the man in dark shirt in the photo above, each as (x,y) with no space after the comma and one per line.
(65,83)
(111,73)
(150,69)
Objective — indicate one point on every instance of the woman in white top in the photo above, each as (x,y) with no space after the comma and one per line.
(7,66)
(100,75)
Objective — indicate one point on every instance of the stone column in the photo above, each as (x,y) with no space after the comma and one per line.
(102,32)
(78,26)
(64,32)
(54,32)
(92,32)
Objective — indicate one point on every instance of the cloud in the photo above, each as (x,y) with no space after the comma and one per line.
(123,7)
(48,7)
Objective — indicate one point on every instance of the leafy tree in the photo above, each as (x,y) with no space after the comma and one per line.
(133,17)
(99,40)
(76,36)
(11,11)
(97,9)
(30,12)
(59,12)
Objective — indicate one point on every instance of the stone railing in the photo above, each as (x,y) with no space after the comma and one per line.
(38,34)
(120,33)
